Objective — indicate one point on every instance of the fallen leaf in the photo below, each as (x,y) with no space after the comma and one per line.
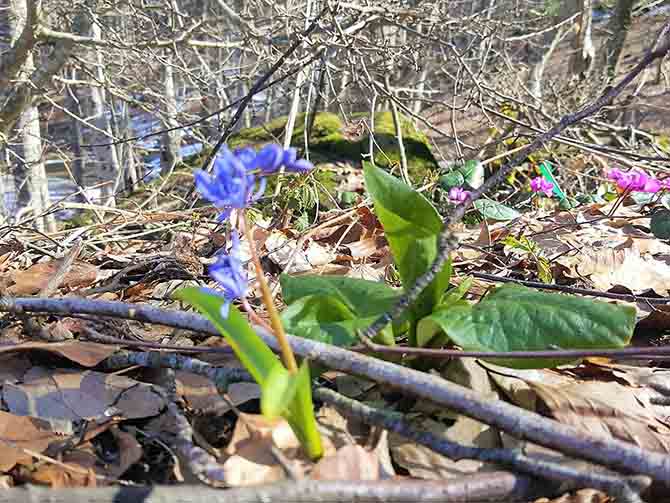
(36,277)
(87,354)
(22,432)
(73,395)
(351,462)
(607,409)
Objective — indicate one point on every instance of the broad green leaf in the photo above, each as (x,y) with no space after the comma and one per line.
(300,414)
(249,348)
(493,210)
(516,318)
(363,297)
(429,332)
(325,318)
(277,392)
(412,226)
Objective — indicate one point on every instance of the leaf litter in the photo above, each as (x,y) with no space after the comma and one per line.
(51,389)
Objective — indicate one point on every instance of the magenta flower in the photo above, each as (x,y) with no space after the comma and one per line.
(458,195)
(539,184)
(637,181)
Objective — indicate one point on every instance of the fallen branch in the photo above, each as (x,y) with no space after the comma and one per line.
(518,422)
(478,487)
(568,475)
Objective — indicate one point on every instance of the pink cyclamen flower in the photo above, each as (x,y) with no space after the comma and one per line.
(539,184)
(637,181)
(458,195)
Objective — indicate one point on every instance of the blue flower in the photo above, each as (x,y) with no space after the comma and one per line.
(228,271)
(294,165)
(231,185)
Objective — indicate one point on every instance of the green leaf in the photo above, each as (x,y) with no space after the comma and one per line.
(300,414)
(516,318)
(429,332)
(325,318)
(364,298)
(277,392)
(412,226)
(493,210)
(473,172)
(453,295)
(249,348)
(660,224)
(452,179)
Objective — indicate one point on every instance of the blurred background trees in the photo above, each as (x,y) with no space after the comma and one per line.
(101,96)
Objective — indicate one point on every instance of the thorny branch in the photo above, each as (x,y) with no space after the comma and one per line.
(448,242)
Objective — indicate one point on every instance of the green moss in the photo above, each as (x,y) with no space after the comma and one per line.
(326,126)
(328,141)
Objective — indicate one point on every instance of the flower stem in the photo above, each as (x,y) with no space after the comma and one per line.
(278,328)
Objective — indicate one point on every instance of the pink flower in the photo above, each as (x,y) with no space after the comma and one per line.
(458,195)
(652,185)
(637,181)
(615,174)
(539,184)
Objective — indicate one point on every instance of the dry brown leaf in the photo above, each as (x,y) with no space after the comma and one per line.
(13,367)
(351,462)
(22,432)
(87,354)
(200,393)
(422,462)
(36,277)
(74,395)
(293,257)
(607,409)
(250,458)
(607,267)
(86,464)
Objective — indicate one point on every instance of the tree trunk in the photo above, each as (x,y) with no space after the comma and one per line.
(538,57)
(73,104)
(171,137)
(581,63)
(107,166)
(30,175)
(618,27)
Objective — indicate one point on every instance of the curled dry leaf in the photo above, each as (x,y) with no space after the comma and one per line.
(607,267)
(295,257)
